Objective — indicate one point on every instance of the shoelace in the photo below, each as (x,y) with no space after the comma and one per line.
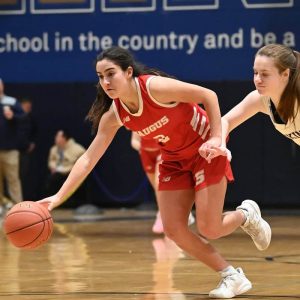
(225,281)
(254,231)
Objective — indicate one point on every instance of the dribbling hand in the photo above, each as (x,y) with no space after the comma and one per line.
(52,202)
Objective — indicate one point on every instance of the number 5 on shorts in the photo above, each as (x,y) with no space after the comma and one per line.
(199,176)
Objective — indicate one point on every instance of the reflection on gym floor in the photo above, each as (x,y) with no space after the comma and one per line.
(116,257)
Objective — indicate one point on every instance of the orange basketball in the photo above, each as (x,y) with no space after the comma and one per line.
(28,225)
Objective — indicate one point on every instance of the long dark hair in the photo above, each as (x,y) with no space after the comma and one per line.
(286,58)
(124,59)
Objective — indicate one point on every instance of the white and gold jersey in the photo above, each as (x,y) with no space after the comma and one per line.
(291,130)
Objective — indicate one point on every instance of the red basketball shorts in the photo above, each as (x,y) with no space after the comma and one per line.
(149,160)
(194,173)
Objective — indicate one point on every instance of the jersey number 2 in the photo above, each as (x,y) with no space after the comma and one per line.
(162,138)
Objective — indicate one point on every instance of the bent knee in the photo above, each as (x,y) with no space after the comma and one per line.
(175,233)
(209,232)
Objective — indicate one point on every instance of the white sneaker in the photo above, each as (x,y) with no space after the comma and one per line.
(231,285)
(191,220)
(255,225)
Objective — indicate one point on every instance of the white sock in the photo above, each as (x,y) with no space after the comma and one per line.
(246,214)
(228,271)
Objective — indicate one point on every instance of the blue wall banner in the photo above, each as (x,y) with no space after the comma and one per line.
(196,40)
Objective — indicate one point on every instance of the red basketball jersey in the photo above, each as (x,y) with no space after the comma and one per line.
(178,128)
(149,144)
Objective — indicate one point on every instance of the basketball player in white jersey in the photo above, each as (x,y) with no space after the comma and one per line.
(277,81)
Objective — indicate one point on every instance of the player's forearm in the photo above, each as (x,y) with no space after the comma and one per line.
(77,175)
(225,131)
(213,111)
(87,162)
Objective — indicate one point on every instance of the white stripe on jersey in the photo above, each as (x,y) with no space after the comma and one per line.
(202,126)
(205,132)
(195,119)
(195,122)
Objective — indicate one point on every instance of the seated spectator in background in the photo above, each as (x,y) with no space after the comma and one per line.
(11,140)
(28,167)
(62,157)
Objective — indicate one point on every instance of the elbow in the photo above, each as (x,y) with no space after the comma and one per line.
(214,94)
(212,98)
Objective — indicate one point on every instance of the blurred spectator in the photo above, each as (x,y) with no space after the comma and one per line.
(28,167)
(11,140)
(63,155)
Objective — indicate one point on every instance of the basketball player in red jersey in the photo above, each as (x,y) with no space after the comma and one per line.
(166,110)
(149,152)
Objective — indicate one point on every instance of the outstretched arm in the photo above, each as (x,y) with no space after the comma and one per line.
(107,129)
(243,111)
(247,108)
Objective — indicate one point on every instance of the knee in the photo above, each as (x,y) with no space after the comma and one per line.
(170,232)
(174,233)
(209,232)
